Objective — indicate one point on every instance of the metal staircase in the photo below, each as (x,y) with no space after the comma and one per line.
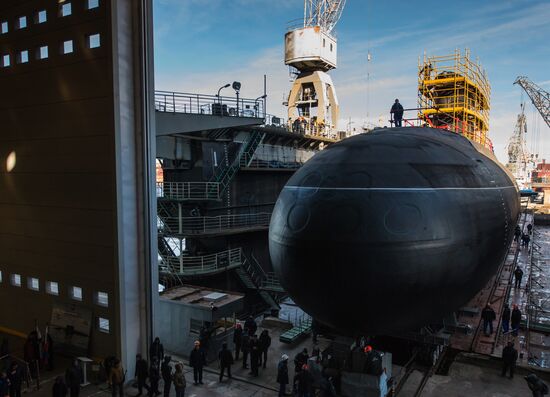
(246,151)
(254,277)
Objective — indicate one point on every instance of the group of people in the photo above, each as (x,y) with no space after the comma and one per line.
(509,318)
(10,382)
(524,237)
(254,349)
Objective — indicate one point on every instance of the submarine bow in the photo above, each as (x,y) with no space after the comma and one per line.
(392,230)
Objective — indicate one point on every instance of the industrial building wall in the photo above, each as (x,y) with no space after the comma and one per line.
(63,207)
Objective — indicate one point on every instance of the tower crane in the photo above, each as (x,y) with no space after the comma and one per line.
(539,97)
(310,48)
(518,156)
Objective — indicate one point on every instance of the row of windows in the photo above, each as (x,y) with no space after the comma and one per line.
(65,9)
(52,287)
(43,52)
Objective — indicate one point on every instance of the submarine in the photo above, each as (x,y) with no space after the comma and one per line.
(392,230)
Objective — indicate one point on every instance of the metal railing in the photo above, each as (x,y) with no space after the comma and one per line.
(189,190)
(212,224)
(196,265)
(273,163)
(271,282)
(180,102)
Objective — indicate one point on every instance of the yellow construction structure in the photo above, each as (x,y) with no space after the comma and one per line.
(454,94)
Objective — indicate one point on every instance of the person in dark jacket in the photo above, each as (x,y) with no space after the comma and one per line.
(300,360)
(250,326)
(141,374)
(488,315)
(15,377)
(518,274)
(166,372)
(59,388)
(73,377)
(536,385)
(226,361)
(197,360)
(282,375)
(254,355)
(264,343)
(525,240)
(303,382)
(245,347)
(116,379)
(397,111)
(515,320)
(529,229)
(517,233)
(4,385)
(509,358)
(156,351)
(154,378)
(238,339)
(506,318)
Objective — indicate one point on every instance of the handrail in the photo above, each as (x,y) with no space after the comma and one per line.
(188,190)
(190,265)
(181,102)
(205,224)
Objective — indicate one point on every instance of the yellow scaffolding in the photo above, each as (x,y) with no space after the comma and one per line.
(454,94)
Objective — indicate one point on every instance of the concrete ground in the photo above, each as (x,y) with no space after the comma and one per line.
(467,380)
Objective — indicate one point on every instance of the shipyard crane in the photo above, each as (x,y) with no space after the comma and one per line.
(311,49)
(539,97)
(518,156)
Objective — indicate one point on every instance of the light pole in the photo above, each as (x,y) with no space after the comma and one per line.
(256,104)
(219,89)
(237,87)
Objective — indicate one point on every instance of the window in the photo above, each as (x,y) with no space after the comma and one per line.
(323,42)
(23,56)
(43,52)
(195,326)
(66,9)
(52,288)
(94,41)
(4,27)
(33,283)
(21,22)
(102,298)
(6,61)
(331,46)
(76,293)
(93,4)
(67,47)
(0,276)
(41,16)
(16,280)
(103,324)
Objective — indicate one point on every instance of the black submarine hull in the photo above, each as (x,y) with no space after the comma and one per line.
(392,230)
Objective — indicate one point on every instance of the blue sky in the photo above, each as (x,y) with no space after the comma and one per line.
(202,44)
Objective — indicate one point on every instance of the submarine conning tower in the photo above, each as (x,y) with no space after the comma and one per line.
(454,94)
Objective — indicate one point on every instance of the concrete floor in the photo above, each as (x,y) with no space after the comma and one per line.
(468,380)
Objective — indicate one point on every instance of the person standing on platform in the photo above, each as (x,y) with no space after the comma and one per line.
(156,351)
(73,377)
(254,355)
(529,229)
(226,361)
(59,388)
(238,339)
(506,318)
(517,233)
(15,377)
(536,385)
(179,380)
(509,358)
(154,377)
(245,347)
(488,315)
(525,240)
(141,374)
(197,360)
(4,385)
(397,111)
(300,359)
(282,375)
(518,274)
(116,379)
(516,320)
(250,326)
(303,382)
(166,372)
(265,343)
